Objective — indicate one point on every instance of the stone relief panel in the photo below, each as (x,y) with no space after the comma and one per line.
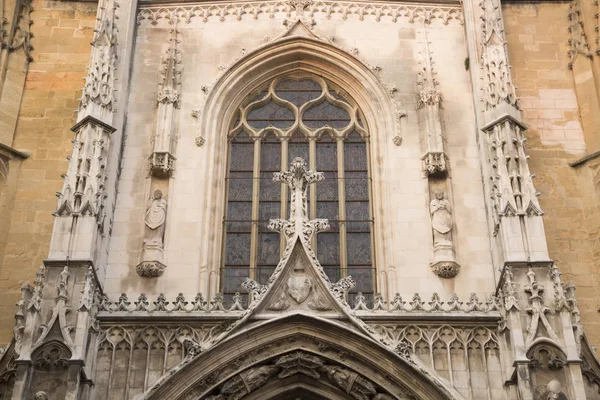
(131,358)
(460,354)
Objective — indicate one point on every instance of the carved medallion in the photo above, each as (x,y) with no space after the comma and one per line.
(299,288)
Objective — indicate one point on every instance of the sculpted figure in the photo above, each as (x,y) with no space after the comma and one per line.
(40,396)
(441,220)
(156,214)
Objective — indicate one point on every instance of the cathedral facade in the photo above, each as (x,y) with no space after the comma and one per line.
(299,199)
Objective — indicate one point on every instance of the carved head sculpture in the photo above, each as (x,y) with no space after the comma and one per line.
(157,194)
(439,195)
(40,396)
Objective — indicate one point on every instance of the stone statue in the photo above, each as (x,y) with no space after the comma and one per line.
(156,214)
(40,396)
(441,220)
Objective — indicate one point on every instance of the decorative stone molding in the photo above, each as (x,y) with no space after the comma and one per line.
(435,162)
(315,9)
(538,311)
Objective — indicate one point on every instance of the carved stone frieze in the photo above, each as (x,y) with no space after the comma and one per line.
(321,9)
(434,162)
(21,28)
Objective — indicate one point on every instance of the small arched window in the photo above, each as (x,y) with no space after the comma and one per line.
(298,116)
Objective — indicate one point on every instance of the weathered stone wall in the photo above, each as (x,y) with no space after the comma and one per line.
(62,34)
(537,36)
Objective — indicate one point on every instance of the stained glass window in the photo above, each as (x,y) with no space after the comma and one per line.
(308,117)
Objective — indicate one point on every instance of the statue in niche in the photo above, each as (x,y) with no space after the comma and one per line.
(441,220)
(156,214)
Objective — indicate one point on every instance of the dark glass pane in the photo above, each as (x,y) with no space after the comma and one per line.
(233,278)
(324,114)
(242,157)
(237,249)
(267,211)
(326,154)
(363,276)
(333,273)
(264,273)
(268,248)
(357,211)
(355,156)
(357,186)
(270,155)
(328,189)
(239,216)
(298,147)
(269,190)
(329,210)
(298,92)
(271,114)
(240,186)
(359,248)
(328,248)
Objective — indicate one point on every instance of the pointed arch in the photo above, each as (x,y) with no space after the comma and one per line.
(332,351)
(303,51)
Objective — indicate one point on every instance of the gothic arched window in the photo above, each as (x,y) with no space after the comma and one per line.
(298,116)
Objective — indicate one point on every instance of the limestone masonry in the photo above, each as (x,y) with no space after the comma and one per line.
(299,199)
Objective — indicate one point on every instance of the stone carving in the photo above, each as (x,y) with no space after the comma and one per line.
(299,362)
(578,42)
(360,302)
(98,92)
(434,162)
(497,87)
(281,304)
(87,295)
(156,214)
(142,303)
(162,161)
(180,303)
(21,29)
(537,310)
(428,94)
(40,395)
(270,9)
(247,381)
(256,290)
(161,303)
(397,140)
(441,220)
(154,220)
(237,304)
(299,288)
(18,330)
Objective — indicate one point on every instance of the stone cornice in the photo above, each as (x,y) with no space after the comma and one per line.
(13,152)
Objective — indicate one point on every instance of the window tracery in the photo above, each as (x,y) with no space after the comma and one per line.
(304,116)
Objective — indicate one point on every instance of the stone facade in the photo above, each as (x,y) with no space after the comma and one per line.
(469,301)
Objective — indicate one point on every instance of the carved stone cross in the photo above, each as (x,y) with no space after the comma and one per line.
(298,178)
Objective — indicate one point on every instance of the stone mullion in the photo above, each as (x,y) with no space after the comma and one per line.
(342,207)
(312,165)
(255,209)
(284,192)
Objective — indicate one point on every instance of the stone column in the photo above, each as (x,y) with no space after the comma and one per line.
(540,336)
